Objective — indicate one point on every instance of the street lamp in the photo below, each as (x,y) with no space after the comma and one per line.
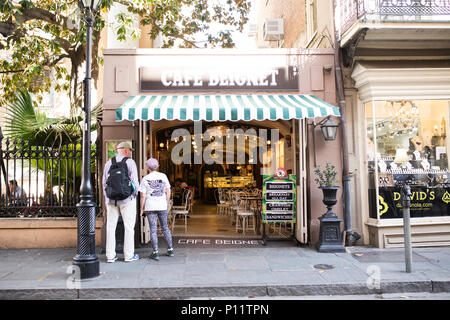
(329,129)
(86,259)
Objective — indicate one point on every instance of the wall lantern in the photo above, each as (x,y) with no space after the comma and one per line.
(329,129)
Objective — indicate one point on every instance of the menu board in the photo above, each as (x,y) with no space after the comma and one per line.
(279,197)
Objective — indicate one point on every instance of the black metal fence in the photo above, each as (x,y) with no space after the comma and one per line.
(39,181)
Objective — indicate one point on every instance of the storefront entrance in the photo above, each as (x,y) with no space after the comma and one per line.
(157,99)
(233,170)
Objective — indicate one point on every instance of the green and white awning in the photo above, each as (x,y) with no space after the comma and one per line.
(224,107)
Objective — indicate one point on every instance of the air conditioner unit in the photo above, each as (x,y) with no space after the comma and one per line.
(273,30)
(252,30)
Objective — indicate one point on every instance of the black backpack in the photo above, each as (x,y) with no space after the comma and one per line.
(118,184)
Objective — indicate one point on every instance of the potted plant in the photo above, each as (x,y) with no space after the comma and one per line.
(326,179)
(330,239)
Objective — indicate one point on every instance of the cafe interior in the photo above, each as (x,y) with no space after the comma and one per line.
(220,194)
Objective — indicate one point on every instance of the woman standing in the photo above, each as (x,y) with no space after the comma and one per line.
(155,195)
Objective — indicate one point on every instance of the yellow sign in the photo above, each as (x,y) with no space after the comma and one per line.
(446,197)
(382,205)
(417,195)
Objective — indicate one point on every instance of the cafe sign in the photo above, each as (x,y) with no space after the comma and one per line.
(279,197)
(285,78)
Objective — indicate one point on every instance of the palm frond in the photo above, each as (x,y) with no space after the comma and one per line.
(24,122)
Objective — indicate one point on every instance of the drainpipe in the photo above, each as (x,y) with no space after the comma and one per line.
(350,237)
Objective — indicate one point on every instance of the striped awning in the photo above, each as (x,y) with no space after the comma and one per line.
(224,107)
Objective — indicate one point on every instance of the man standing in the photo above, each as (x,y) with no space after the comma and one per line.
(126,207)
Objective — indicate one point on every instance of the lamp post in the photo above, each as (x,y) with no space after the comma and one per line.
(86,259)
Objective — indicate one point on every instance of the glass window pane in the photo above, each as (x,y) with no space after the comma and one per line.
(411,146)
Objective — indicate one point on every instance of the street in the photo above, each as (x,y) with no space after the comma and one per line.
(386,296)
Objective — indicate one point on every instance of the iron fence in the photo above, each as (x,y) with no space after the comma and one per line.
(38,181)
(349,11)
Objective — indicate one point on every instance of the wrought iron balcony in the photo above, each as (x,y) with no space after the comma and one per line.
(348,12)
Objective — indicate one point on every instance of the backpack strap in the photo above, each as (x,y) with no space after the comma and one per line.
(113,160)
(124,159)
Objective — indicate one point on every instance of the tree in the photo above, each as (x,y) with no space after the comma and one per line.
(24,122)
(39,35)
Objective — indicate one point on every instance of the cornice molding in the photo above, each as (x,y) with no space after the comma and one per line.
(399,83)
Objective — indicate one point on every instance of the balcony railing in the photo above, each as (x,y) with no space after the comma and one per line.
(349,11)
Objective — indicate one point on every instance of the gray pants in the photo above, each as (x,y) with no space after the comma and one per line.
(152,219)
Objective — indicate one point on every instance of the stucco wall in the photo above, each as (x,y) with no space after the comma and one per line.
(293,14)
(26,233)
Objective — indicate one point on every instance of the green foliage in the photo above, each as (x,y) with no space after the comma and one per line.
(24,122)
(41,138)
(327,176)
(42,42)
(65,172)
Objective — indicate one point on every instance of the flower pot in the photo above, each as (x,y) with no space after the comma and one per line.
(330,239)
(329,196)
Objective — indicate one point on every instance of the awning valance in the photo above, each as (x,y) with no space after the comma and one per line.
(224,107)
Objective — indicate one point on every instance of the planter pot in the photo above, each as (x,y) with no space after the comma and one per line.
(329,197)
(330,238)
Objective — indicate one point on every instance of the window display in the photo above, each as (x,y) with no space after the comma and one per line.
(407,143)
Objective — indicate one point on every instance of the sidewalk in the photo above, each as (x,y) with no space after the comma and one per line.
(199,270)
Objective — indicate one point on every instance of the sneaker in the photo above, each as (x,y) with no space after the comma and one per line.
(112,260)
(170,253)
(155,256)
(133,258)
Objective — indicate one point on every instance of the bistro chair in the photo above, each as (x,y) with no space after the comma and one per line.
(185,196)
(234,205)
(192,195)
(182,211)
(243,215)
(169,214)
(226,198)
(220,202)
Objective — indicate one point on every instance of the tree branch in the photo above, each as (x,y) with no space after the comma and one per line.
(46,63)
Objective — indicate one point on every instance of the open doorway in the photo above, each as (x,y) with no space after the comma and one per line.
(236,169)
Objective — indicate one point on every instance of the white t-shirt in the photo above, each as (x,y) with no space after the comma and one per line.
(154,185)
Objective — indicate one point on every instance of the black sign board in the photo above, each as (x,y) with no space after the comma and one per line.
(279,217)
(425,202)
(279,206)
(279,186)
(279,196)
(170,79)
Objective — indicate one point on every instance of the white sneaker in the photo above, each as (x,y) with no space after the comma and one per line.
(112,260)
(133,258)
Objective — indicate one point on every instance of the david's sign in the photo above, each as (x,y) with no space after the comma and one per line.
(256,79)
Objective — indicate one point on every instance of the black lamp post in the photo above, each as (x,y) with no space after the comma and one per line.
(86,259)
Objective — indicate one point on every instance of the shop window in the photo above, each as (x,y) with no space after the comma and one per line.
(407,143)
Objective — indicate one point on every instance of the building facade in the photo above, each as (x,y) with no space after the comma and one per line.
(151,93)
(396,69)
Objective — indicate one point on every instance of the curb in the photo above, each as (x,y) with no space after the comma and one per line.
(172,293)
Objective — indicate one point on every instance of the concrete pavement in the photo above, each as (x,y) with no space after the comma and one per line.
(224,270)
